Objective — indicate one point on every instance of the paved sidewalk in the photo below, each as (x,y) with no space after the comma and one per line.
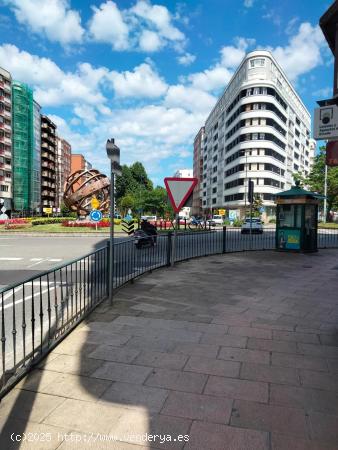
(236,351)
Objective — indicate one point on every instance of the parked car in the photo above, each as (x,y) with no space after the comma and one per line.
(149,218)
(218,219)
(196,220)
(253,225)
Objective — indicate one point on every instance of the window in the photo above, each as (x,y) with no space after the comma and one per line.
(262,136)
(214,180)
(3,188)
(249,92)
(214,169)
(256,91)
(214,190)
(257,62)
(254,136)
(214,158)
(214,201)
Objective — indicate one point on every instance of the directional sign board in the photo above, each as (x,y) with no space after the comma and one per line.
(179,190)
(96,215)
(326,123)
(128,226)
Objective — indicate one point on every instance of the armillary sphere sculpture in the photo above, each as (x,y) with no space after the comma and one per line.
(81,186)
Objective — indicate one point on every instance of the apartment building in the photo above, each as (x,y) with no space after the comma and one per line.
(258,130)
(48,163)
(64,150)
(198,172)
(6,188)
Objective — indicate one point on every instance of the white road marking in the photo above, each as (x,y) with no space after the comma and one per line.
(29,297)
(36,259)
(38,262)
(10,259)
(55,259)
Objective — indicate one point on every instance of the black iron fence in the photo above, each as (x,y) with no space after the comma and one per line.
(40,311)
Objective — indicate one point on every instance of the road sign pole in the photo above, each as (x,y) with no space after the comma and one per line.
(174,241)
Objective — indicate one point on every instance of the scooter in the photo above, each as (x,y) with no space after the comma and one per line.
(143,239)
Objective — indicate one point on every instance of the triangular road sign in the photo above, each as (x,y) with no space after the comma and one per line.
(179,190)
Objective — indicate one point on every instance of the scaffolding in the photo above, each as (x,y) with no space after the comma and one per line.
(23,145)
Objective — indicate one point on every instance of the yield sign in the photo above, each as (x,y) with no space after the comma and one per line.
(179,190)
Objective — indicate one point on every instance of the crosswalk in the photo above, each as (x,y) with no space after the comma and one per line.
(12,258)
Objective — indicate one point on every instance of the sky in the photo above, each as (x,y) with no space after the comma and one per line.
(148,73)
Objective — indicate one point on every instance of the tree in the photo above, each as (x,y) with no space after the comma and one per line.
(126,202)
(140,176)
(156,202)
(315,180)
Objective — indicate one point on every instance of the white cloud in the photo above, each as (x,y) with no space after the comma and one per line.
(107,25)
(160,18)
(323,93)
(303,52)
(52,86)
(248,3)
(191,99)
(232,56)
(86,112)
(143,81)
(186,59)
(143,27)
(53,18)
(150,41)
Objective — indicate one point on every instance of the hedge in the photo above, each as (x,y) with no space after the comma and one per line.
(49,220)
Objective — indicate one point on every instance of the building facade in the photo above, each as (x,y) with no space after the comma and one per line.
(6,135)
(35,179)
(48,163)
(198,172)
(63,168)
(23,146)
(258,130)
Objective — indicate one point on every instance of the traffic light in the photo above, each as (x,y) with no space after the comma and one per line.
(251,191)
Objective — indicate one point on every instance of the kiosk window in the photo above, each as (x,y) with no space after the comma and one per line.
(286,216)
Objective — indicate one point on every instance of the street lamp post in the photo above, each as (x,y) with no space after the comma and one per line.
(113,153)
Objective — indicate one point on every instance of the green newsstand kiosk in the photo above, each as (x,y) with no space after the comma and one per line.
(297,220)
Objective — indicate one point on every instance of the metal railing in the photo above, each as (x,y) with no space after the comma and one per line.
(39,312)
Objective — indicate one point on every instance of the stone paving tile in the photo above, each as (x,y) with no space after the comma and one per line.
(85,416)
(305,398)
(323,351)
(226,340)
(41,437)
(73,347)
(292,336)
(262,372)
(232,320)
(18,405)
(269,418)
(210,436)
(329,339)
(74,386)
(207,350)
(211,366)
(134,395)
(285,442)
(116,354)
(160,345)
(129,373)
(160,359)
(37,380)
(196,406)
(311,378)
(78,365)
(104,445)
(238,389)
(299,361)
(176,380)
(98,337)
(139,423)
(333,365)
(243,354)
(271,345)
(271,325)
(324,427)
(250,332)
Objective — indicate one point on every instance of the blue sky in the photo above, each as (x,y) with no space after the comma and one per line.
(149,72)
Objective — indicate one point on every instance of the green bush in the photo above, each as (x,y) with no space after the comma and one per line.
(272,221)
(237,223)
(49,220)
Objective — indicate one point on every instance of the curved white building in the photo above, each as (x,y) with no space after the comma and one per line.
(259,129)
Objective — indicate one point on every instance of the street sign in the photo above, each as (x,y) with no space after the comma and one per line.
(326,123)
(95,203)
(47,210)
(221,212)
(332,153)
(128,226)
(3,209)
(96,215)
(179,190)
